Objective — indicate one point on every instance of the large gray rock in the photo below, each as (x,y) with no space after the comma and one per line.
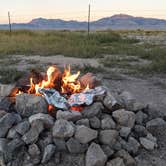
(147,144)
(32,135)
(47,120)
(6,89)
(84,134)
(95,156)
(12,133)
(22,127)
(84,122)
(140,131)
(69,115)
(140,117)
(127,158)
(93,110)
(94,122)
(108,123)
(48,153)
(62,129)
(74,146)
(7,121)
(28,104)
(3,144)
(124,118)
(151,125)
(116,162)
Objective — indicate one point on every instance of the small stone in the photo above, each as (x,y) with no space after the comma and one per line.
(33,150)
(7,121)
(12,133)
(47,120)
(151,125)
(127,158)
(29,104)
(151,138)
(125,131)
(137,106)
(116,162)
(32,135)
(108,123)
(69,115)
(108,137)
(140,117)
(48,153)
(84,122)
(140,131)
(63,129)
(60,144)
(22,127)
(147,144)
(93,110)
(124,118)
(95,156)
(94,122)
(74,146)
(84,134)
(107,150)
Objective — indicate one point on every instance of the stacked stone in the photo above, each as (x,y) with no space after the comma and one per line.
(109,132)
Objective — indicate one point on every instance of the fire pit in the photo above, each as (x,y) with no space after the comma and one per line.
(66,119)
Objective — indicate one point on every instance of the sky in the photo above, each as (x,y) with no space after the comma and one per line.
(26,10)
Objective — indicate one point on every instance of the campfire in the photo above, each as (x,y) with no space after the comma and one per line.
(62,90)
(60,118)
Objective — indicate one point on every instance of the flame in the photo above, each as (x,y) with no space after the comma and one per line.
(70,83)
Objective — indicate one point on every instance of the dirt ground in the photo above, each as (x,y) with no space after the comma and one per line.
(148,90)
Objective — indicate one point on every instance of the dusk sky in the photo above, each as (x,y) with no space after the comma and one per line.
(25,10)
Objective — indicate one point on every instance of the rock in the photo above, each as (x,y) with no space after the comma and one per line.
(2,113)
(132,146)
(63,129)
(48,153)
(93,110)
(151,125)
(107,150)
(6,89)
(147,144)
(152,138)
(108,137)
(140,117)
(84,122)
(33,150)
(124,118)
(94,122)
(14,144)
(116,162)
(140,131)
(12,134)
(137,106)
(125,131)
(84,134)
(69,115)
(29,104)
(60,144)
(109,102)
(47,120)
(128,160)
(108,123)
(7,121)
(74,146)
(32,135)
(95,156)
(22,127)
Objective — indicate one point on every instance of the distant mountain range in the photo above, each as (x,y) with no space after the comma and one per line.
(119,21)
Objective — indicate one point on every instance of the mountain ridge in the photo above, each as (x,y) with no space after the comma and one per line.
(118,21)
